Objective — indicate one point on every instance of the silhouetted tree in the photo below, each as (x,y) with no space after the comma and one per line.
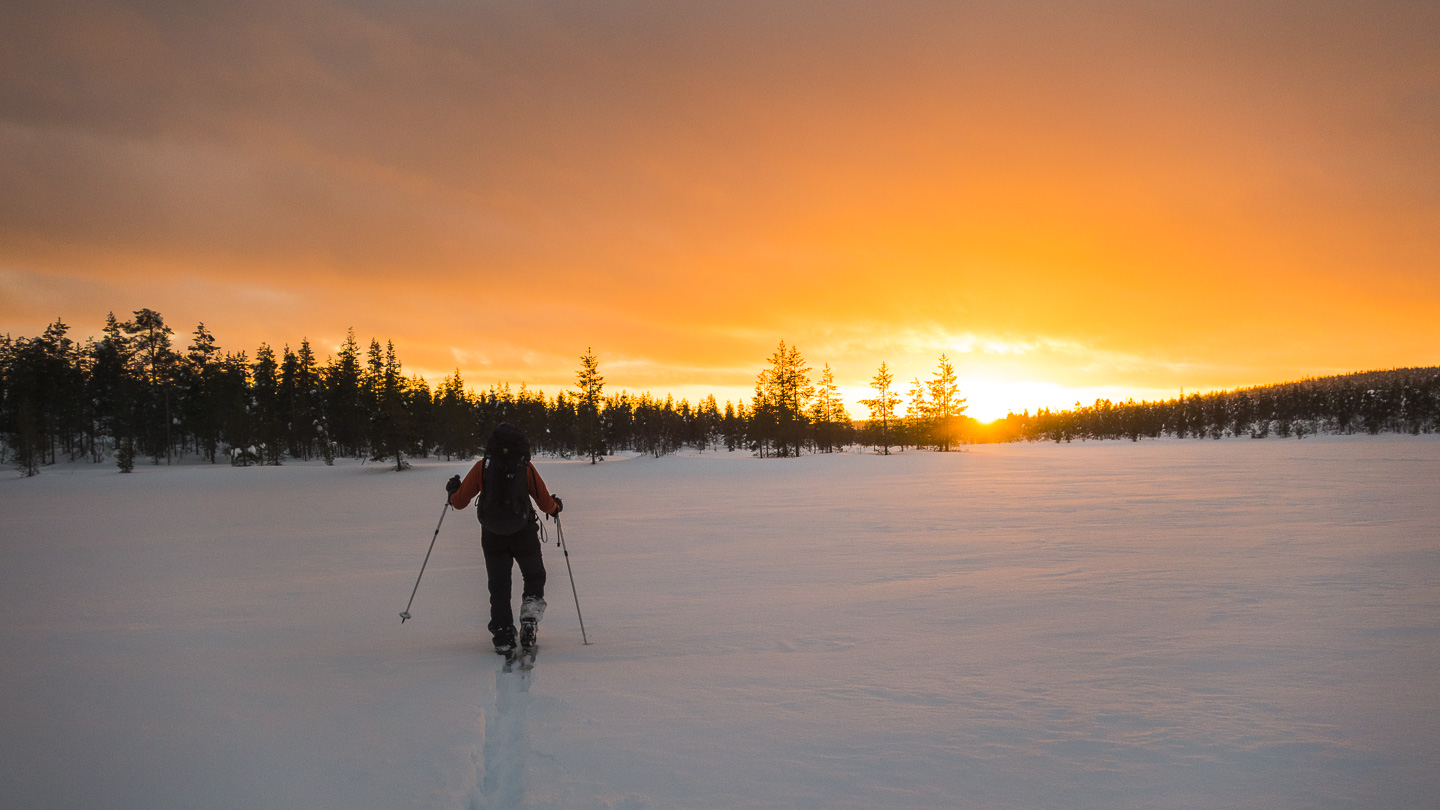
(828,417)
(945,405)
(591,439)
(882,405)
(345,408)
(384,387)
(155,364)
(782,393)
(234,408)
(196,385)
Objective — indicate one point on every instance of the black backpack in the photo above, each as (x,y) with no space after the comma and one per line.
(504,503)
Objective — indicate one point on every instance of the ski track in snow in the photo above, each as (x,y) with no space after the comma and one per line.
(506,742)
(1179,624)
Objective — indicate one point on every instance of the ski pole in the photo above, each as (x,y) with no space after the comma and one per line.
(405,614)
(560,533)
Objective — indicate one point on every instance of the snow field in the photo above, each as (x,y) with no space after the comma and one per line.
(1161,624)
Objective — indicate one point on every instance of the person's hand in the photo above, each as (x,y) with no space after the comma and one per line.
(559,505)
(453,485)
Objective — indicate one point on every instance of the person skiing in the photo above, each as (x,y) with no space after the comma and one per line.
(506,481)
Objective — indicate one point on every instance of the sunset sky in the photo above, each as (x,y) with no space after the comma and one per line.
(1071,200)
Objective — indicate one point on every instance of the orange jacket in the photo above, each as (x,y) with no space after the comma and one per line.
(474,482)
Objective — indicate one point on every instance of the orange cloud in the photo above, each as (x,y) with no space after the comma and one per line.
(1070,201)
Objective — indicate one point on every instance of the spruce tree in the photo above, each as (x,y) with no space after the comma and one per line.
(155,365)
(730,428)
(882,405)
(707,422)
(233,407)
(561,433)
(301,391)
(288,400)
(918,414)
(200,410)
(113,386)
(125,456)
(7,360)
(455,418)
(267,420)
(591,440)
(420,427)
(345,411)
(782,393)
(89,416)
(62,386)
(372,384)
(946,405)
(531,414)
(385,393)
(762,429)
(832,423)
(7,395)
(619,421)
(25,406)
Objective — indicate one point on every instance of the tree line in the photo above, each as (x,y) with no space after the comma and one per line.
(134,394)
(1402,400)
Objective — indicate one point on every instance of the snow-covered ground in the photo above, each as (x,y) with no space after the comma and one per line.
(1163,624)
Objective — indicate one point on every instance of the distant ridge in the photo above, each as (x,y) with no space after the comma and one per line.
(1397,400)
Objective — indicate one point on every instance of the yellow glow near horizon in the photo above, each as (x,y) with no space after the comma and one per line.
(1084,202)
(986,399)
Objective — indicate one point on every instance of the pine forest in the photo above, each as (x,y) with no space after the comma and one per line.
(133,396)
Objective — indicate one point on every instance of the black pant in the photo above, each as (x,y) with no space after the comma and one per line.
(522,547)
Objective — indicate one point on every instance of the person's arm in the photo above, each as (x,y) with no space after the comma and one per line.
(470,487)
(540,492)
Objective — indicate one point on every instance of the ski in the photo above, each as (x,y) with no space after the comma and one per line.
(527,639)
(522,659)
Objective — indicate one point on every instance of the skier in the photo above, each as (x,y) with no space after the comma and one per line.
(506,481)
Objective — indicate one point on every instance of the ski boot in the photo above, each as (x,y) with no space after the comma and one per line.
(531,610)
(504,642)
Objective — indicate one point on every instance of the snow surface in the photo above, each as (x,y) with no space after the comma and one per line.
(1164,624)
